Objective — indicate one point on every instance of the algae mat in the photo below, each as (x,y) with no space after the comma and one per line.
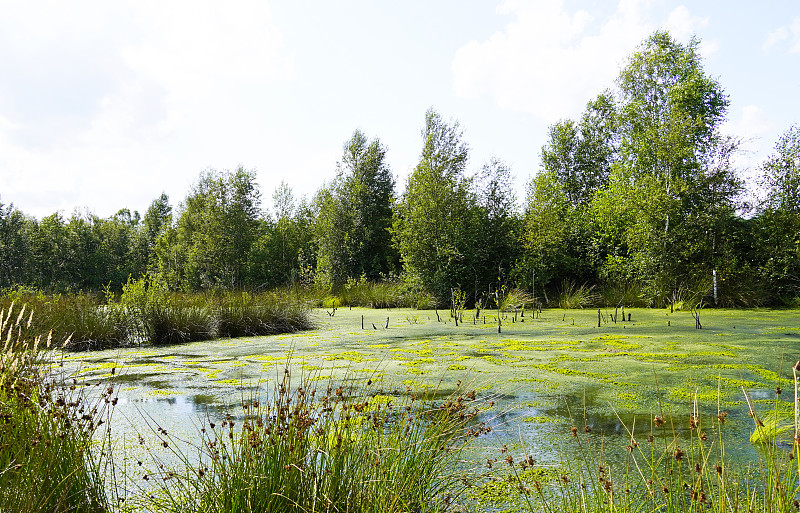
(547,373)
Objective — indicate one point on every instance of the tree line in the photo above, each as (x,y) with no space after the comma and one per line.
(638,197)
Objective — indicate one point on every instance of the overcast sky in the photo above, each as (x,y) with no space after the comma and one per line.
(105,104)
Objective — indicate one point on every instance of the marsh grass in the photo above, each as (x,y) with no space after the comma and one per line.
(574,296)
(243,314)
(156,315)
(624,293)
(348,447)
(363,293)
(80,318)
(48,460)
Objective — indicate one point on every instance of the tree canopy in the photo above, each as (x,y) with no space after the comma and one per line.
(638,196)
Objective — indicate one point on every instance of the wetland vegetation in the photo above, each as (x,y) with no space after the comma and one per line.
(572,355)
(559,414)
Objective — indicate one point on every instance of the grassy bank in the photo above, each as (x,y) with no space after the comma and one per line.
(147,313)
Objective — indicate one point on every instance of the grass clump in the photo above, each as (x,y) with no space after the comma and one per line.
(161,317)
(244,314)
(344,448)
(47,457)
(574,296)
(80,318)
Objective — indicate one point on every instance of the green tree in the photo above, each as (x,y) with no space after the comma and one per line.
(580,155)
(434,228)
(355,215)
(14,251)
(215,230)
(48,240)
(781,174)
(672,170)
(157,219)
(777,231)
(283,241)
(576,164)
(496,250)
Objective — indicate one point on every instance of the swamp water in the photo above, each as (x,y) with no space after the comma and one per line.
(544,374)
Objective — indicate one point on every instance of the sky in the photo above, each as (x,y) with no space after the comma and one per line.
(105,105)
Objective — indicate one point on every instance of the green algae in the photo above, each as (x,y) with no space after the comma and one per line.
(548,362)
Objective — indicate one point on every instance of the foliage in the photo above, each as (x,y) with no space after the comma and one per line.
(347,448)
(355,214)
(284,250)
(781,174)
(638,194)
(433,229)
(214,234)
(777,226)
(13,246)
(453,231)
(668,211)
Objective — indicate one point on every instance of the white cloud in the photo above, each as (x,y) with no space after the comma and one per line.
(787,33)
(104,103)
(752,123)
(754,128)
(682,25)
(550,61)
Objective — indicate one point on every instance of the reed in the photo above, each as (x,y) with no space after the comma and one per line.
(347,447)
(244,314)
(80,318)
(48,461)
(577,296)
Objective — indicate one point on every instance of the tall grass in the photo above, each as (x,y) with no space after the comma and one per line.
(79,318)
(363,293)
(577,296)
(344,448)
(146,312)
(244,314)
(48,462)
